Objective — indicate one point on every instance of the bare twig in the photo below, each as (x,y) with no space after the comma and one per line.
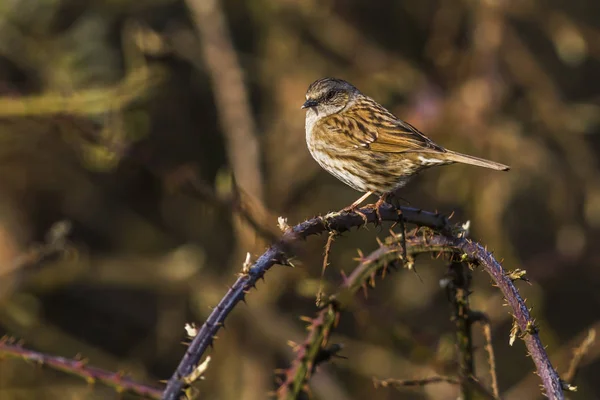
(326,253)
(55,245)
(414,382)
(237,205)
(483,319)
(400,383)
(116,380)
(578,355)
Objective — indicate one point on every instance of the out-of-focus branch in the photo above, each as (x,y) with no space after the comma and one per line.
(578,354)
(458,286)
(414,382)
(79,368)
(400,383)
(231,95)
(346,40)
(54,246)
(483,319)
(276,254)
(185,179)
(84,102)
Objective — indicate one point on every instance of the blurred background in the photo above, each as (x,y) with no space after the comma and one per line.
(128,124)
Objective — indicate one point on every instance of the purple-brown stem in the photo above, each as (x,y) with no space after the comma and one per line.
(477,253)
(79,368)
(276,254)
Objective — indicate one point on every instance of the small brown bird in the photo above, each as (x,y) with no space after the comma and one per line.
(365,146)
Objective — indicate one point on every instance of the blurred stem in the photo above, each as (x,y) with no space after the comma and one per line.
(233,107)
(458,290)
(84,102)
(79,368)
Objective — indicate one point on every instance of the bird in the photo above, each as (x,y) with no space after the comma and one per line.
(364,145)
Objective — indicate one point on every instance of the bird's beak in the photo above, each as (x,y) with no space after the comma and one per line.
(309,104)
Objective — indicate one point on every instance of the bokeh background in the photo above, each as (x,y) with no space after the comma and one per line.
(110,110)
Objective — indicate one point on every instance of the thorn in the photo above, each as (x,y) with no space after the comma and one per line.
(191,330)
(283,224)
(372,280)
(246,265)
(384,270)
(567,386)
(513,333)
(197,373)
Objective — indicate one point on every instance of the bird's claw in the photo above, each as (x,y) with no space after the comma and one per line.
(377,206)
(354,209)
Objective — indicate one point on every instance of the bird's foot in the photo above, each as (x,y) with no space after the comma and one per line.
(354,209)
(354,206)
(377,205)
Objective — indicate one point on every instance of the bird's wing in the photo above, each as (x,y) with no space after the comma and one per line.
(368,124)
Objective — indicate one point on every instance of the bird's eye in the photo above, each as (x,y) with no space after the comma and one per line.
(330,95)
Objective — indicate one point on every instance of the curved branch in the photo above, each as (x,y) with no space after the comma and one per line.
(390,253)
(276,254)
(340,222)
(478,254)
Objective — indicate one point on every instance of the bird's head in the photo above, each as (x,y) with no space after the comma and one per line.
(328,96)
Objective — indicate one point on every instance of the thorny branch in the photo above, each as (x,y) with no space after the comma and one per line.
(116,380)
(276,254)
(479,255)
(321,326)
(390,255)
(445,241)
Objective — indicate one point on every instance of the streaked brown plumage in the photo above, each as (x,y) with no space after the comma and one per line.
(364,145)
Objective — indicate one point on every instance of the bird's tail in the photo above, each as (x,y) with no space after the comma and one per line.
(480,162)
